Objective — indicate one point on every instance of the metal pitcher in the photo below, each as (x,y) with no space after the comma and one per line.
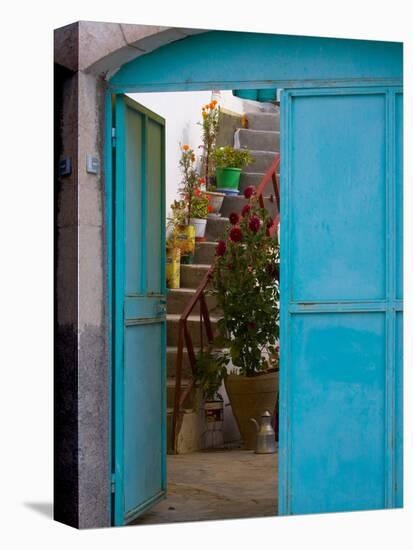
(265,443)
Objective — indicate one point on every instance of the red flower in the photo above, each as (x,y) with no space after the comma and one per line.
(221,248)
(210,208)
(245,211)
(234,218)
(201,180)
(249,191)
(235,235)
(254,224)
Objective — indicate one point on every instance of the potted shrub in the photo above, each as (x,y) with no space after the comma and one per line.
(228,165)
(199,213)
(182,234)
(245,283)
(215,200)
(210,371)
(210,126)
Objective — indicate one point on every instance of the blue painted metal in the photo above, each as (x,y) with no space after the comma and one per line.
(340,377)
(139,312)
(236,60)
(341,256)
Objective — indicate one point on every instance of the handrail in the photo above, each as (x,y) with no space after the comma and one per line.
(184,336)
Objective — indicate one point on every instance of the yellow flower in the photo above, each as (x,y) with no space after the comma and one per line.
(204,114)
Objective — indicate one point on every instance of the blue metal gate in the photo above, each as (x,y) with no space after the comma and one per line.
(341,292)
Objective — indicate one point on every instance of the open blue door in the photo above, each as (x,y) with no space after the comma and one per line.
(139,408)
(341,300)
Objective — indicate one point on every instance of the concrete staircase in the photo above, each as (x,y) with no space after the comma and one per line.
(262,138)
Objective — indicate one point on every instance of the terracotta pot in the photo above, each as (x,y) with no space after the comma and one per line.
(249,398)
(216,200)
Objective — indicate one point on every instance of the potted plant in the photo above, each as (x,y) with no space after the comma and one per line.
(199,213)
(245,283)
(216,199)
(228,165)
(182,235)
(210,126)
(210,371)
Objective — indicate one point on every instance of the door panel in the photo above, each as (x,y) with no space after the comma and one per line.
(330,134)
(340,371)
(140,297)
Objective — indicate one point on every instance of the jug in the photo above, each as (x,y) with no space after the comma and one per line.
(265,443)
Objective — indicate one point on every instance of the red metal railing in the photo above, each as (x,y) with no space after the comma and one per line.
(184,335)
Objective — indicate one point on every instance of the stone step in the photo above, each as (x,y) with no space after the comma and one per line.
(253,178)
(192,275)
(193,327)
(235,204)
(205,252)
(215,228)
(262,161)
(264,121)
(262,140)
(177,300)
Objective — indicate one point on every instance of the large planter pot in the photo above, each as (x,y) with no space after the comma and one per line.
(216,200)
(200,226)
(249,398)
(228,179)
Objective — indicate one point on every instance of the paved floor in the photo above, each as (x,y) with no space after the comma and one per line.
(212,485)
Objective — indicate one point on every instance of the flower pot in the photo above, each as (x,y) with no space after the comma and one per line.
(228,179)
(173,268)
(185,241)
(216,200)
(200,226)
(249,398)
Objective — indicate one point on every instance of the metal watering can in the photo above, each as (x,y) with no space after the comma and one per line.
(265,443)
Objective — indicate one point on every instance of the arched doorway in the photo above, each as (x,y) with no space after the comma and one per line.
(341,290)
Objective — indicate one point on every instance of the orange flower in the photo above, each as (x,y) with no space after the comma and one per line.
(193,158)
(185,147)
(213,103)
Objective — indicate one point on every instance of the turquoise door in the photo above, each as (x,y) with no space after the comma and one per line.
(341,300)
(139,431)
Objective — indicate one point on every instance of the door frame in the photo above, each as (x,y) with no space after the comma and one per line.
(112,91)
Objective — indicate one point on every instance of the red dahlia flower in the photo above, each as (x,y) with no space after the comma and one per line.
(221,248)
(254,224)
(245,210)
(235,235)
(234,218)
(249,191)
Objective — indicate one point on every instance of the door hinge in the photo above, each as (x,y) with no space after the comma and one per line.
(112,483)
(113,137)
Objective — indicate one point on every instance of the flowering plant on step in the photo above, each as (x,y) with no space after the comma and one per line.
(245,283)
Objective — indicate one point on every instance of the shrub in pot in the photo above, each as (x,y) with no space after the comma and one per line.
(245,283)
(228,165)
(199,213)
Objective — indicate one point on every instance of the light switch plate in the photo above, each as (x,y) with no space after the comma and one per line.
(92,164)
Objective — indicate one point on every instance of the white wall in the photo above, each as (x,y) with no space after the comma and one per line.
(182,111)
